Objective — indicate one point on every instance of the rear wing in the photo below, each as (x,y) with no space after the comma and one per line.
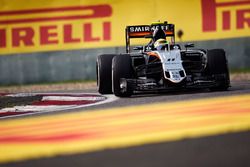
(146,31)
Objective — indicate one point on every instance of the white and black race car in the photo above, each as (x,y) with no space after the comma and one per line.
(160,65)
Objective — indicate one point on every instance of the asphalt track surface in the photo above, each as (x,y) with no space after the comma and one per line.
(237,88)
(231,149)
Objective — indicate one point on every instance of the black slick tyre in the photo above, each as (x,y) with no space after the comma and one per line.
(217,67)
(121,69)
(104,72)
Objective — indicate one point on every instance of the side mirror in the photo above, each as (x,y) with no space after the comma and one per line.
(138,48)
(189,45)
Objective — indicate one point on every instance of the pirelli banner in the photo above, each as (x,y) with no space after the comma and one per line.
(49,25)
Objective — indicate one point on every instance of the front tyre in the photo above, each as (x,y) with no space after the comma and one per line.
(103,73)
(121,70)
(217,67)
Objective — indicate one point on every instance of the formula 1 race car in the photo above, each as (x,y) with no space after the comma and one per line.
(160,65)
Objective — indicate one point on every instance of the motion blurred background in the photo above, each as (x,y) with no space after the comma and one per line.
(59,40)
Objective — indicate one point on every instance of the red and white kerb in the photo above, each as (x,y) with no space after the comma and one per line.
(52,102)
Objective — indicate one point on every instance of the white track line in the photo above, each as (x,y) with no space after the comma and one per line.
(68,98)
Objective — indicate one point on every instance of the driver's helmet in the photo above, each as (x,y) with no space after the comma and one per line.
(158,34)
(161,44)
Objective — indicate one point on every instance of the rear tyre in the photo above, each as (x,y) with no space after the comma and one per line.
(103,73)
(217,67)
(121,70)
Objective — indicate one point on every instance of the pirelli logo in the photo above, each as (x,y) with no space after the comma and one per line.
(41,27)
(233,15)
